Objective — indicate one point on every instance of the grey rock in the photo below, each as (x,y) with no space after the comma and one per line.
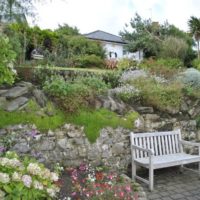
(3,92)
(47,144)
(118,148)
(144,110)
(40,97)
(21,148)
(74,133)
(3,132)
(25,84)
(15,92)
(16,104)
(3,102)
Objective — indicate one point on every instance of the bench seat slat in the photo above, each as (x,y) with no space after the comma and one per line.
(169,160)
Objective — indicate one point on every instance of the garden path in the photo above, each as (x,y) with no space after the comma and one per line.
(170,184)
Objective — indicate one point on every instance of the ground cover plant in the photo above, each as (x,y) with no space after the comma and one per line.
(94,120)
(34,115)
(26,179)
(97,184)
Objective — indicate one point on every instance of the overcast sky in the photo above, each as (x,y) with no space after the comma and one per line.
(111,15)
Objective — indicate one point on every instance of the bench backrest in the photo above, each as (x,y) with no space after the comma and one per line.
(162,143)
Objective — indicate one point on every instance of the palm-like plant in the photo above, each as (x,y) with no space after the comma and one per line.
(194,25)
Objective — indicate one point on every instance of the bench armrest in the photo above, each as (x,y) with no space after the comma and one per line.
(149,151)
(195,144)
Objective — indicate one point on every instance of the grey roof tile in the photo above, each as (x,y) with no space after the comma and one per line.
(104,36)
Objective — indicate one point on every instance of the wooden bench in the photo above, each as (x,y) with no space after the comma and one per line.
(159,150)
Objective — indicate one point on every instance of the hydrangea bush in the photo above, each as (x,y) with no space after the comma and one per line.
(25,179)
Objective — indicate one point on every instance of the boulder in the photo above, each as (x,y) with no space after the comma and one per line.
(15,92)
(25,84)
(40,97)
(2,92)
(16,104)
(144,110)
(2,102)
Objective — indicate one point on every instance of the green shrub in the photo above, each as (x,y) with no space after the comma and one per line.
(89,61)
(159,96)
(126,63)
(94,120)
(196,63)
(162,67)
(112,78)
(72,95)
(95,83)
(173,47)
(7,56)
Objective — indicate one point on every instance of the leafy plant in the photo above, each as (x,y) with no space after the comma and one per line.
(126,63)
(22,179)
(7,56)
(112,78)
(196,64)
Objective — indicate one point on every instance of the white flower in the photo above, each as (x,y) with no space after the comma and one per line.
(27,180)
(4,178)
(45,174)
(34,168)
(2,194)
(4,161)
(52,191)
(38,185)
(54,176)
(16,176)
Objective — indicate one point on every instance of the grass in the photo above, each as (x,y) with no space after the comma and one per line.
(94,120)
(30,116)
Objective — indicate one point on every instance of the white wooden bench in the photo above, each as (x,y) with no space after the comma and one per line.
(159,150)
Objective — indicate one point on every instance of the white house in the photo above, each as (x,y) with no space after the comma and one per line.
(114,45)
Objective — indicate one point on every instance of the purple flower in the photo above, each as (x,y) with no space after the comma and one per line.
(2,149)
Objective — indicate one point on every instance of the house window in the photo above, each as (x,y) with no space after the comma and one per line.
(112,54)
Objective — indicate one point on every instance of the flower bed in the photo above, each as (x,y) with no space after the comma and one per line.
(25,179)
(98,184)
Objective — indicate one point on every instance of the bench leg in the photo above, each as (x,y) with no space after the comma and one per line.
(151,178)
(181,169)
(133,170)
(199,170)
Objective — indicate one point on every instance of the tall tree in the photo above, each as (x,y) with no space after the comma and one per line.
(15,10)
(194,25)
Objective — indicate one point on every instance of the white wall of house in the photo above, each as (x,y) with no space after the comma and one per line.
(113,50)
(116,50)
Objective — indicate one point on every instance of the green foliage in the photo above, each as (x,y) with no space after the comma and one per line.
(167,67)
(33,115)
(143,37)
(196,64)
(149,36)
(65,29)
(158,95)
(112,78)
(25,178)
(173,47)
(194,25)
(126,63)
(94,120)
(89,61)
(72,95)
(7,56)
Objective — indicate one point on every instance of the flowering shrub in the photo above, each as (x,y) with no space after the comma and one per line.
(25,180)
(96,184)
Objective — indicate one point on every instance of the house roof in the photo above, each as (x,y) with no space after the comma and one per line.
(104,36)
